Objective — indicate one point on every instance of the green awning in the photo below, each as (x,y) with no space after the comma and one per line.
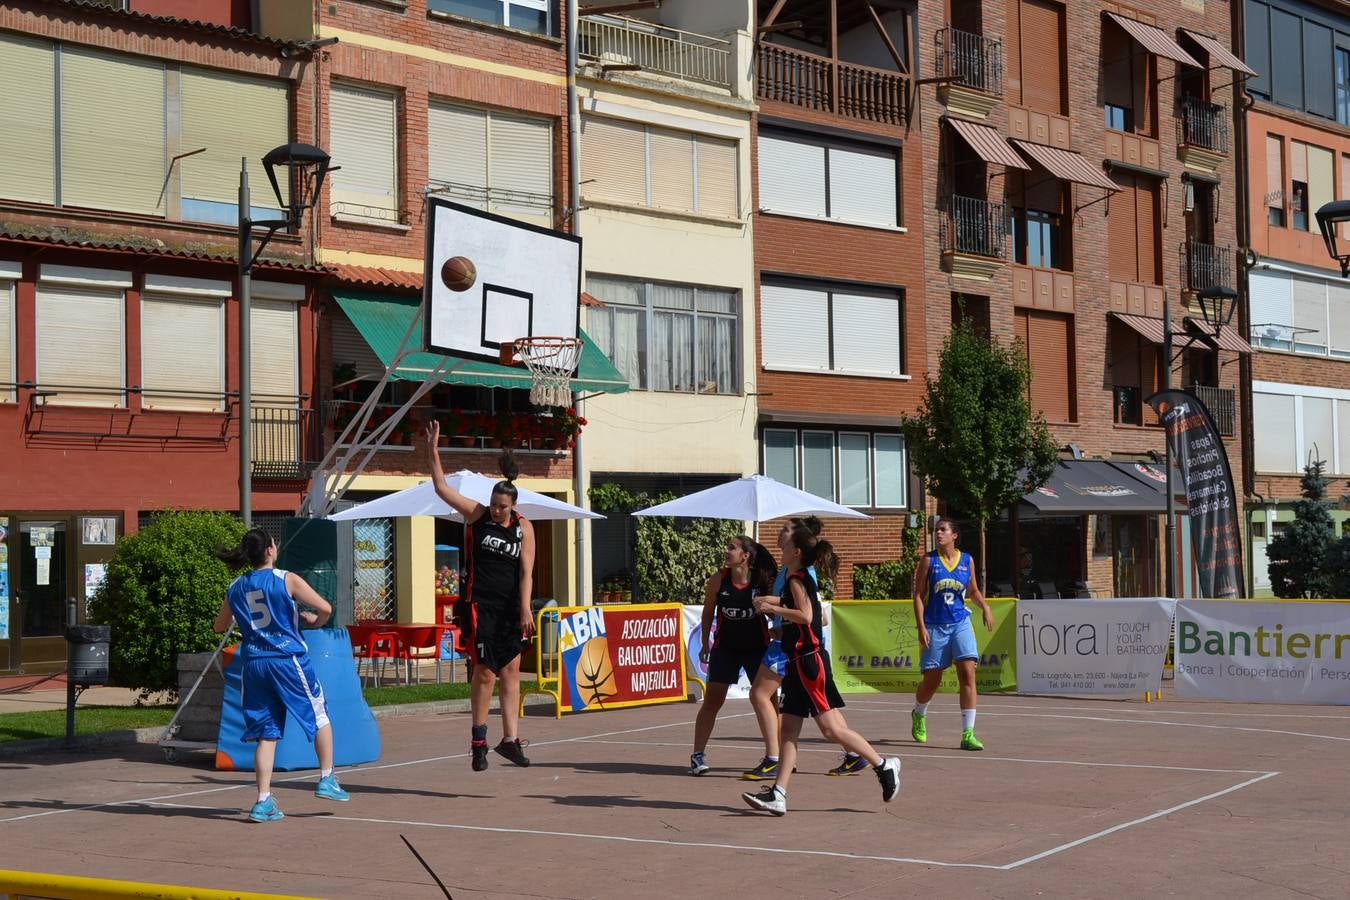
(383,320)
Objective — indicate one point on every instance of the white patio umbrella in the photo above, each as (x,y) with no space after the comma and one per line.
(755,498)
(421,500)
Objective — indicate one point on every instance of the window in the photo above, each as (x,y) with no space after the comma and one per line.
(1037,236)
(1343,85)
(828,180)
(642,165)
(1296,55)
(1119,118)
(1134,230)
(1275,180)
(1300,314)
(1136,373)
(183,343)
(9,274)
(363,128)
(1048,338)
(668,337)
(527,15)
(274,326)
(1298,195)
(868,468)
(491,160)
(1034,44)
(28,119)
(852,331)
(1128,82)
(1294,422)
(80,335)
(1311,173)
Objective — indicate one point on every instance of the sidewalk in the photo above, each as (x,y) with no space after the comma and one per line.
(29,693)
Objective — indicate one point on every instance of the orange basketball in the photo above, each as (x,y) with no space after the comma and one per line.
(459,273)
(593,679)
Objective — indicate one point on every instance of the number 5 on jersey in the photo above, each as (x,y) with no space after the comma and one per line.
(258,610)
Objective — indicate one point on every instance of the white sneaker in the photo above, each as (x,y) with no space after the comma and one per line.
(889,776)
(698,765)
(770,799)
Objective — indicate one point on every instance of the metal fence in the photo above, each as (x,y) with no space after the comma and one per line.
(281,441)
(975,226)
(809,81)
(618,40)
(375,575)
(1207,266)
(1203,124)
(1222,405)
(974,60)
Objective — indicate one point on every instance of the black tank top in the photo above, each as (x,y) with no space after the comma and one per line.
(803,640)
(739,627)
(493,564)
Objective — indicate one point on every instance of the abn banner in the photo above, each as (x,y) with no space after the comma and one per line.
(1101,647)
(875,648)
(621,656)
(1263,652)
(1213,508)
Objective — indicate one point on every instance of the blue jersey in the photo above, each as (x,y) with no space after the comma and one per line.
(947,590)
(780,585)
(268,618)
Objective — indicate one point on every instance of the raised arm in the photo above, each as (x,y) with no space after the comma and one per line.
(320,610)
(467,507)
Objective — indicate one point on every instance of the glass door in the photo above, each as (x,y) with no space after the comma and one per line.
(39,604)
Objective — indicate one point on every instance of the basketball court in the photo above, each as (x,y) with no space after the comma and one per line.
(1071,798)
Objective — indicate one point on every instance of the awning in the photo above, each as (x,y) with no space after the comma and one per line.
(1081,487)
(383,319)
(1066,165)
(1149,328)
(1153,478)
(1226,339)
(1155,40)
(1219,53)
(987,143)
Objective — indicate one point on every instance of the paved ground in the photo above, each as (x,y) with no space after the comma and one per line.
(1072,798)
(31,693)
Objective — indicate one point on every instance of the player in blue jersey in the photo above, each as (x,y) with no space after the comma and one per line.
(942,582)
(278,679)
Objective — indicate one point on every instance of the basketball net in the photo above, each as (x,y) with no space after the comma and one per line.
(551,361)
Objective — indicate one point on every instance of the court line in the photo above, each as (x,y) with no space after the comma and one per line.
(1117,706)
(1307,734)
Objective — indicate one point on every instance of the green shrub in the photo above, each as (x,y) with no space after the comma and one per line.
(891,580)
(162,591)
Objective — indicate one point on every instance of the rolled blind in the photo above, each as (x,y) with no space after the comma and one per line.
(1274,434)
(614,160)
(1270,295)
(457,151)
(1050,349)
(1043,88)
(1274,171)
(862,185)
(718,191)
(1343,427)
(351,348)
(1122,231)
(1318,429)
(1310,313)
(1338,303)
(867,333)
(1298,161)
(1149,229)
(182,349)
(233,117)
(363,128)
(27,119)
(520,165)
(795,327)
(79,343)
(112,132)
(275,337)
(791,176)
(672,169)
(1321,180)
(7,373)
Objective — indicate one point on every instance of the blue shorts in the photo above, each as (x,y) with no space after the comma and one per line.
(274,686)
(947,643)
(774,658)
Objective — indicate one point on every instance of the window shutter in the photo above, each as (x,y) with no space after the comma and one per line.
(1298,161)
(1321,180)
(1124,356)
(1343,430)
(614,160)
(718,191)
(1318,430)
(1041,40)
(867,333)
(1310,312)
(794,324)
(275,336)
(351,348)
(1275,447)
(363,128)
(672,169)
(232,117)
(1338,303)
(80,343)
(1012,50)
(862,185)
(112,132)
(1274,171)
(521,168)
(27,119)
(7,372)
(1150,248)
(1122,233)
(791,176)
(182,349)
(1270,297)
(1050,349)
(457,155)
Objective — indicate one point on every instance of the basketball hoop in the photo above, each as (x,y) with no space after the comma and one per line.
(551,361)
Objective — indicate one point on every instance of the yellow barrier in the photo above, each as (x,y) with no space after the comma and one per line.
(73,887)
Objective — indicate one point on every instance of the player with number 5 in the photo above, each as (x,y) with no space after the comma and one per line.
(278,679)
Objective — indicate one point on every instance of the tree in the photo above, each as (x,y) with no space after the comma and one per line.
(163,588)
(1299,558)
(975,439)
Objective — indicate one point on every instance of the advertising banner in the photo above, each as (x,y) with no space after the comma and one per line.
(693,643)
(1093,646)
(875,648)
(1263,652)
(621,656)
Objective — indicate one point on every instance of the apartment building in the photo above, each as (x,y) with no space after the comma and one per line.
(1297,141)
(1079,186)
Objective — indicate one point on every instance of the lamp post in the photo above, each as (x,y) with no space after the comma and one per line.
(305,168)
(1337,212)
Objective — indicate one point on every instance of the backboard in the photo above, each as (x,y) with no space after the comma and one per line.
(528,284)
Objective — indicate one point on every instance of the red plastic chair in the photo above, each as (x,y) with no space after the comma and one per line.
(373,641)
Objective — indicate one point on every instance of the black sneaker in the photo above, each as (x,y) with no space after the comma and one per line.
(514,751)
(767,768)
(852,765)
(769,799)
(889,776)
(480,760)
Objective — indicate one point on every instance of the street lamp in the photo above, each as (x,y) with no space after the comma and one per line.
(1328,217)
(304,168)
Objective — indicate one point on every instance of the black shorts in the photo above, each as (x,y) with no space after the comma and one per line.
(494,635)
(808,687)
(725,666)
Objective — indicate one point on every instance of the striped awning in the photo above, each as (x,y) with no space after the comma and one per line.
(1066,165)
(1226,339)
(1219,53)
(1155,40)
(987,143)
(1149,328)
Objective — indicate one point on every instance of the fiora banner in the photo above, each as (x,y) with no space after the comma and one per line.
(1208,481)
(1263,652)
(621,656)
(876,648)
(1095,647)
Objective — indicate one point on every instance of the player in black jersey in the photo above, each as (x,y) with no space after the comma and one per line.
(499,560)
(738,642)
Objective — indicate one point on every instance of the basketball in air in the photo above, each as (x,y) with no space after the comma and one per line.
(459,273)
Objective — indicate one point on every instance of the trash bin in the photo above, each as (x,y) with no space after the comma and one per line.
(88,653)
(547,639)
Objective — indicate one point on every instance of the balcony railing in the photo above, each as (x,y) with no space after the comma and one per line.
(975,226)
(463,429)
(1222,405)
(1203,124)
(282,442)
(1207,266)
(808,80)
(619,40)
(974,60)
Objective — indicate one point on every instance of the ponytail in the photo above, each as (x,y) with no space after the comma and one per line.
(252,550)
(816,551)
(510,472)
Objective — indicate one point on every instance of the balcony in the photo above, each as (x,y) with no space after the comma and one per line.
(814,82)
(1202,134)
(976,64)
(282,442)
(974,236)
(464,429)
(1222,405)
(682,55)
(1206,266)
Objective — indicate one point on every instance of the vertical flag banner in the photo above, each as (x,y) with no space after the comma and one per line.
(1103,647)
(1208,481)
(629,656)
